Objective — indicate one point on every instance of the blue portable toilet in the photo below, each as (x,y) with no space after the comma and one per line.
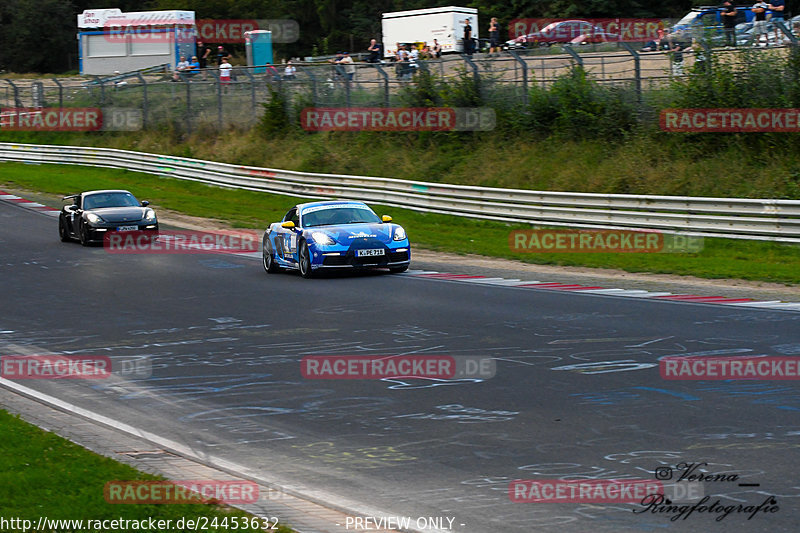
(258,44)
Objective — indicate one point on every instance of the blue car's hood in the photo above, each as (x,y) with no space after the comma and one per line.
(349,233)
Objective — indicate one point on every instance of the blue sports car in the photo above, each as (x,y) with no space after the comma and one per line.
(334,234)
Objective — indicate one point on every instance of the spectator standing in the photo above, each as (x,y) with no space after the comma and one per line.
(225,70)
(349,67)
(659,43)
(777,7)
(338,70)
(401,62)
(222,54)
(467,37)
(374,50)
(676,56)
(289,72)
(494,36)
(759,9)
(728,15)
(202,52)
(437,49)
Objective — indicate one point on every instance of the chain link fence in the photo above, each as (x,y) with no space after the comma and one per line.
(202,100)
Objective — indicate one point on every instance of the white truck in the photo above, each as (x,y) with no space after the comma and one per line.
(421,26)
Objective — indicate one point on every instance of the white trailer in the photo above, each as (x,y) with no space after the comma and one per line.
(446,24)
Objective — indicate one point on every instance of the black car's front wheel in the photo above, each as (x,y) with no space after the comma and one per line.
(268,258)
(398,269)
(83,235)
(304,260)
(63,232)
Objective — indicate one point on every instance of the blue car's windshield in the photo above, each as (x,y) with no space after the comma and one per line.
(336,215)
(109,199)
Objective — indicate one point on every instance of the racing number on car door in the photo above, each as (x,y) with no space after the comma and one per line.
(288,238)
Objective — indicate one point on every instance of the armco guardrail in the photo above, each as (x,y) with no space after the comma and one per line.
(740,218)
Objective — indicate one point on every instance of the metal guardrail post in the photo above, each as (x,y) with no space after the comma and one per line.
(17,101)
(185,81)
(313,85)
(578,59)
(215,74)
(524,67)
(252,88)
(468,60)
(37,94)
(704,56)
(781,26)
(101,83)
(60,92)
(144,99)
(385,76)
(637,70)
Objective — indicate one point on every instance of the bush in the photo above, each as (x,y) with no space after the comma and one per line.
(276,120)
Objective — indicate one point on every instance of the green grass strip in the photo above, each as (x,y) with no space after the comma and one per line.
(720,258)
(44,475)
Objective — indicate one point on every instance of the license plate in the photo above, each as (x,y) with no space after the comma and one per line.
(127,228)
(367,253)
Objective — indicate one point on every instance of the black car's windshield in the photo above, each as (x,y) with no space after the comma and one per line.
(109,199)
(336,215)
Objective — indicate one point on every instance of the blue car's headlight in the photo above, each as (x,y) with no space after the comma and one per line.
(322,238)
(149,215)
(399,234)
(93,219)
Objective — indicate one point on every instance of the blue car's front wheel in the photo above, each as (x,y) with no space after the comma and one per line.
(304,260)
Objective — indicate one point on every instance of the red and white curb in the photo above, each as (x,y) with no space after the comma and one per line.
(28,204)
(591,289)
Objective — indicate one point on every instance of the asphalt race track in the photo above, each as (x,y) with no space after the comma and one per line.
(577,392)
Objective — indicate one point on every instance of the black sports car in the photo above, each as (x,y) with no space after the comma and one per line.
(93,214)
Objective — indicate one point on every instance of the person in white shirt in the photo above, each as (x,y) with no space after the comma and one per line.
(225,69)
(289,72)
(349,67)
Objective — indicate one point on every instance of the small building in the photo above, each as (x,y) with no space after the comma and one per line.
(112,41)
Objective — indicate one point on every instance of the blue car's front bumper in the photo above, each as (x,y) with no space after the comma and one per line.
(396,254)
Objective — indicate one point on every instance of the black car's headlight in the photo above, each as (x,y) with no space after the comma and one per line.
(322,238)
(149,215)
(399,234)
(94,219)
